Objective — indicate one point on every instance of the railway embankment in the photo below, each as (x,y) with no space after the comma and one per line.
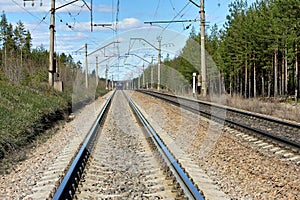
(26,115)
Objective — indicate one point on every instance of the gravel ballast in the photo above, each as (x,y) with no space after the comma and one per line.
(238,167)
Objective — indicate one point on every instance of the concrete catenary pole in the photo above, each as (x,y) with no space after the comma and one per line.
(143,75)
(112,81)
(86,67)
(203,66)
(51,50)
(159,63)
(106,74)
(96,70)
(151,72)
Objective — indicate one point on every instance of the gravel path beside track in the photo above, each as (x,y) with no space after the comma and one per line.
(29,176)
(238,167)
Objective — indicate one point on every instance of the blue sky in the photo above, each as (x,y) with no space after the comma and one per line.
(73,23)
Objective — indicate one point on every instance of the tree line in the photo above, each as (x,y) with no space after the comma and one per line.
(256,52)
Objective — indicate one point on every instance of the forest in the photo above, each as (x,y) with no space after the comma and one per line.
(256,51)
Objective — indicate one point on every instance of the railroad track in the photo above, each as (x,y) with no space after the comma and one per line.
(123,157)
(283,133)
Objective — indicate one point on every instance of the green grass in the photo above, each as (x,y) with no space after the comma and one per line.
(25,114)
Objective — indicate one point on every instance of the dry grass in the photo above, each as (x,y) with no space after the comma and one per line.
(267,106)
(281,108)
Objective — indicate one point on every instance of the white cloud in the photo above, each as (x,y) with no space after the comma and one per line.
(129,23)
(71,37)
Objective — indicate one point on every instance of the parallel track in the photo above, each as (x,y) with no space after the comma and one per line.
(67,188)
(279,131)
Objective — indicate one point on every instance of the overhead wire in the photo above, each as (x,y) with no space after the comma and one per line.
(178,14)
(42,20)
(173,7)
(73,27)
(30,13)
(22,7)
(73,17)
(174,18)
(155,13)
(156,10)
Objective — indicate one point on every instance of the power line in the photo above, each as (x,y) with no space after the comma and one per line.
(32,2)
(42,20)
(174,17)
(53,10)
(173,21)
(25,9)
(117,15)
(156,10)
(73,17)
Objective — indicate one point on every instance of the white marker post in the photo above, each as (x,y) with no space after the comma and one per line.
(194,84)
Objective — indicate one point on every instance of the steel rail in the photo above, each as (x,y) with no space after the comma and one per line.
(286,123)
(228,121)
(190,190)
(70,181)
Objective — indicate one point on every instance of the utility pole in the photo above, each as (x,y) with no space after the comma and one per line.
(203,66)
(106,70)
(152,73)
(52,67)
(159,57)
(112,82)
(96,70)
(143,75)
(86,67)
(106,81)
(51,50)
(139,80)
(159,63)
(202,30)
(297,77)
(151,63)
